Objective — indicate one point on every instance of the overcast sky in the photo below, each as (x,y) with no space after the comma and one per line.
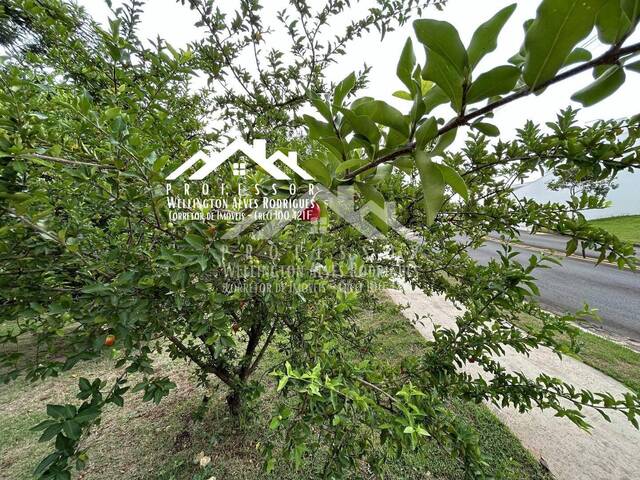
(175,23)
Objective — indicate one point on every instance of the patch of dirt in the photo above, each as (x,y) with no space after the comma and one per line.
(182,441)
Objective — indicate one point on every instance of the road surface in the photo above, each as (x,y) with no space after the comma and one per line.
(567,287)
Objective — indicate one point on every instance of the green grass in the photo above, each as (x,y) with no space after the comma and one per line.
(626,227)
(145,441)
(615,360)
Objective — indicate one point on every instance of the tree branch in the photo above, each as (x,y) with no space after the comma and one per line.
(267,342)
(609,57)
(206,367)
(75,163)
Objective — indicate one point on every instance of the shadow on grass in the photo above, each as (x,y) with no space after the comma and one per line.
(146,441)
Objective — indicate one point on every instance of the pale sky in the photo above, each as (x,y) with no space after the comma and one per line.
(174,23)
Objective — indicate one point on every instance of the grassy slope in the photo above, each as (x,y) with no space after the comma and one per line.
(160,441)
(625,227)
(615,360)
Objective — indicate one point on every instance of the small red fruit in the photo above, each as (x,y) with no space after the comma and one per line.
(110,340)
(311,213)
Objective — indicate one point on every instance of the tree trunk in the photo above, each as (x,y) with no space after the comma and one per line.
(234,402)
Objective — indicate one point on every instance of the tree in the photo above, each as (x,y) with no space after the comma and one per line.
(569,180)
(572,178)
(90,252)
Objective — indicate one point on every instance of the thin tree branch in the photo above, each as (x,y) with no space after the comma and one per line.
(76,163)
(609,57)
(263,349)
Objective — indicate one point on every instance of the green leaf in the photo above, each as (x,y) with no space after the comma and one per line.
(631,9)
(454,180)
(50,432)
(324,133)
(488,129)
(111,113)
(634,67)
(439,71)
(160,162)
(85,102)
(96,288)
(44,425)
(613,22)
(382,174)
(404,163)
(485,38)
(394,139)
(497,81)
(87,415)
(426,132)
(275,422)
(270,464)
(442,37)
(352,163)
(604,86)
(402,95)
(46,463)
(558,27)
(317,169)
(384,114)
(317,129)
(57,411)
(425,85)
(372,194)
(578,55)
(84,384)
(599,70)
(282,383)
(343,89)
(432,185)
(434,97)
(571,247)
(322,107)
(363,125)
(405,65)
(417,109)
(196,241)
(609,22)
(444,141)
(71,429)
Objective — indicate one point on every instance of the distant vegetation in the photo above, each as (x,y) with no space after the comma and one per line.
(626,227)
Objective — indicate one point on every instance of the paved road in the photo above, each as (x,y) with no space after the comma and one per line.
(567,287)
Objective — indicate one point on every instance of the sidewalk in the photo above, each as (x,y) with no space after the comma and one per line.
(556,243)
(610,452)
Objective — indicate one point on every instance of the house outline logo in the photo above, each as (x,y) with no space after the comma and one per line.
(256,152)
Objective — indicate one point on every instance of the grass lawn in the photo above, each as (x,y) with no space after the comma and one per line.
(626,227)
(615,360)
(145,441)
